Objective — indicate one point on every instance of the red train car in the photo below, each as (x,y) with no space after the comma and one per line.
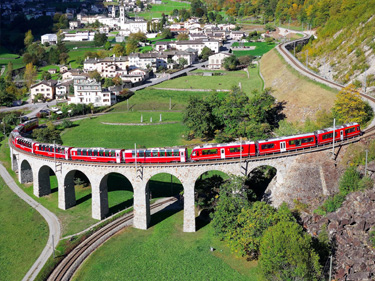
(223,151)
(341,132)
(46,149)
(283,144)
(155,155)
(24,144)
(96,155)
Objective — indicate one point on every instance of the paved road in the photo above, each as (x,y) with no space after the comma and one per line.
(52,220)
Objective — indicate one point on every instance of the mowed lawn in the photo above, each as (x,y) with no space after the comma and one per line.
(23,235)
(260,49)
(165,252)
(157,10)
(220,82)
(93,133)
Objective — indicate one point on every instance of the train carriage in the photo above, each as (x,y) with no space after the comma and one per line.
(282,144)
(155,155)
(97,155)
(346,131)
(223,151)
(49,150)
(24,144)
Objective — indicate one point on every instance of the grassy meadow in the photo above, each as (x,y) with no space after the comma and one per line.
(157,10)
(23,235)
(167,253)
(220,82)
(260,49)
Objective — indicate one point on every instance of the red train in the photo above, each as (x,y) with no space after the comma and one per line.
(199,153)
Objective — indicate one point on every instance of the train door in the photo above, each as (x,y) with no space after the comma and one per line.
(282,146)
(222,153)
(118,157)
(182,156)
(341,134)
(66,154)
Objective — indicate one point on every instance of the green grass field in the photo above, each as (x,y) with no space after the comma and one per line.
(157,10)
(46,68)
(80,52)
(164,252)
(23,235)
(222,82)
(260,49)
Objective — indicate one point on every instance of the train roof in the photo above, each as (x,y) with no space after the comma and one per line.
(287,137)
(51,144)
(157,149)
(337,127)
(223,144)
(97,148)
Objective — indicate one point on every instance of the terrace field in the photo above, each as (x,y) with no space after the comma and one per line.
(157,10)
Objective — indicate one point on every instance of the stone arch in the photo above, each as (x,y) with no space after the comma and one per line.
(26,173)
(115,186)
(70,183)
(44,180)
(15,163)
(259,179)
(159,185)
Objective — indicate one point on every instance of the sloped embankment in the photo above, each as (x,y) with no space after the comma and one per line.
(303,97)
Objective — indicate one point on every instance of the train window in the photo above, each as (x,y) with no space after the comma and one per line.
(209,151)
(176,152)
(101,152)
(350,130)
(78,152)
(307,140)
(155,153)
(113,153)
(169,152)
(90,152)
(268,146)
(194,153)
(148,153)
(84,152)
(328,136)
(235,149)
(133,154)
(141,153)
(162,153)
(106,153)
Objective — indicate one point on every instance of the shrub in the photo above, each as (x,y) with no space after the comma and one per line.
(349,181)
(372,238)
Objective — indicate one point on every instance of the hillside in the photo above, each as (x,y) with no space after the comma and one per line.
(345,46)
(303,97)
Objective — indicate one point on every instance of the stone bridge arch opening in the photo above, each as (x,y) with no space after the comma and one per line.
(206,188)
(77,188)
(258,181)
(47,181)
(120,192)
(160,186)
(26,172)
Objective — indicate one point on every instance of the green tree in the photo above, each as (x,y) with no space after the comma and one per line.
(100,39)
(9,75)
(46,75)
(119,50)
(286,253)
(166,33)
(349,107)
(29,38)
(95,75)
(138,37)
(107,45)
(30,74)
(183,37)
(53,56)
(48,134)
(131,47)
(182,62)
(230,63)
(206,52)
(233,197)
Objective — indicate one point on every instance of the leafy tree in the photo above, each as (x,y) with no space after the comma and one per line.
(29,38)
(119,50)
(206,52)
(182,62)
(131,47)
(53,56)
(46,75)
(166,33)
(30,74)
(233,196)
(9,75)
(252,222)
(107,45)
(199,118)
(207,190)
(286,253)
(67,124)
(183,37)
(48,134)
(138,37)
(349,107)
(269,27)
(230,63)
(117,80)
(95,75)
(108,82)
(349,181)
(100,39)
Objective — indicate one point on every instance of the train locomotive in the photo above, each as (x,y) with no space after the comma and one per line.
(246,149)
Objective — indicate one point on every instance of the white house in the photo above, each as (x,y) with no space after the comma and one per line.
(46,88)
(215,61)
(49,38)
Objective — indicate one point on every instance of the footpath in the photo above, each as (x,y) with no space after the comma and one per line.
(52,220)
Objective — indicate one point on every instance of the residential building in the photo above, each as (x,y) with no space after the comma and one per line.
(215,61)
(237,35)
(62,89)
(49,38)
(46,88)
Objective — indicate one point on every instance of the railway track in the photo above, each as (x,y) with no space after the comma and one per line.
(67,267)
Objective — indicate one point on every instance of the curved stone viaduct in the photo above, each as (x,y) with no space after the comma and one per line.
(35,169)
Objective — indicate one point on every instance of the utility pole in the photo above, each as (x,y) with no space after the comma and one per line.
(330,268)
(365,82)
(366,163)
(135,156)
(333,142)
(127,104)
(294,48)
(240,153)
(307,58)
(53,247)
